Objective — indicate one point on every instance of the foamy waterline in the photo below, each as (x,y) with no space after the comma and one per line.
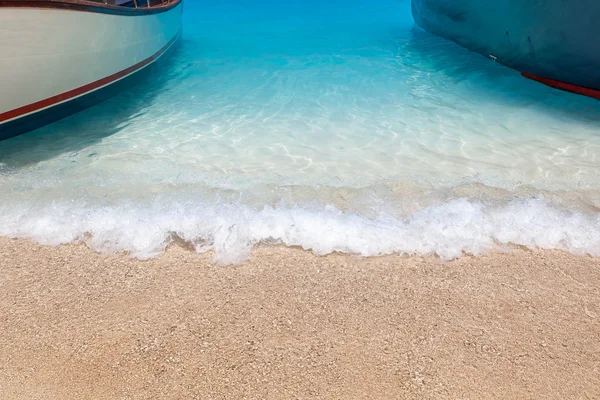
(448,230)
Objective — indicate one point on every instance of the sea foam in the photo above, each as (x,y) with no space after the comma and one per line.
(447,230)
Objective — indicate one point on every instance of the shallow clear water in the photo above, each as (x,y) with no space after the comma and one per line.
(332,125)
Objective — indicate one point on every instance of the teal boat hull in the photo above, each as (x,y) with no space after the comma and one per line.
(553,41)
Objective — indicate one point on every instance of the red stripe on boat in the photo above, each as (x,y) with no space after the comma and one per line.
(90,87)
(564,86)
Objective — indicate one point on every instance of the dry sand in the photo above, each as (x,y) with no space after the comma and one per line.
(288,324)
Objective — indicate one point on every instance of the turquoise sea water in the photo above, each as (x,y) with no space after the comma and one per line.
(331,125)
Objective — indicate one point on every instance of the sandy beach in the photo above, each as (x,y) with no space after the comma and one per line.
(288,324)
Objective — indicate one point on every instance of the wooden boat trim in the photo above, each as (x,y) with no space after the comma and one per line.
(155,6)
(568,87)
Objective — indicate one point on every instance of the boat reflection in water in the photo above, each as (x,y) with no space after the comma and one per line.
(58,57)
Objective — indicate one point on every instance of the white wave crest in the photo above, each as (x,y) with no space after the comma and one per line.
(448,230)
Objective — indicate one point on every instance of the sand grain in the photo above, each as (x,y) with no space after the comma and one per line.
(287,324)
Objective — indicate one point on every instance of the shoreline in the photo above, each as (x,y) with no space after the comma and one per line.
(290,324)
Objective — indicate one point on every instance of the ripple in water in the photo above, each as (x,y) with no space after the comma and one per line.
(335,126)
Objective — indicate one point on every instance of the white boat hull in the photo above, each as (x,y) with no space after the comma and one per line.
(52,56)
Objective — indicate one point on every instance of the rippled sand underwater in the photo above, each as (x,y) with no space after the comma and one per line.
(335,126)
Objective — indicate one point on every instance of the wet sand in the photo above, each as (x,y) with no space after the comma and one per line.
(287,324)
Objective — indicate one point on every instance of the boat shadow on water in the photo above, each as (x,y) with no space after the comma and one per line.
(452,69)
(74,133)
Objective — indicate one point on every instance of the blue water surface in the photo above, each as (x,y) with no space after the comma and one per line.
(331,125)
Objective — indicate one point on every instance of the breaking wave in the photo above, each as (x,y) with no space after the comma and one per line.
(448,230)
